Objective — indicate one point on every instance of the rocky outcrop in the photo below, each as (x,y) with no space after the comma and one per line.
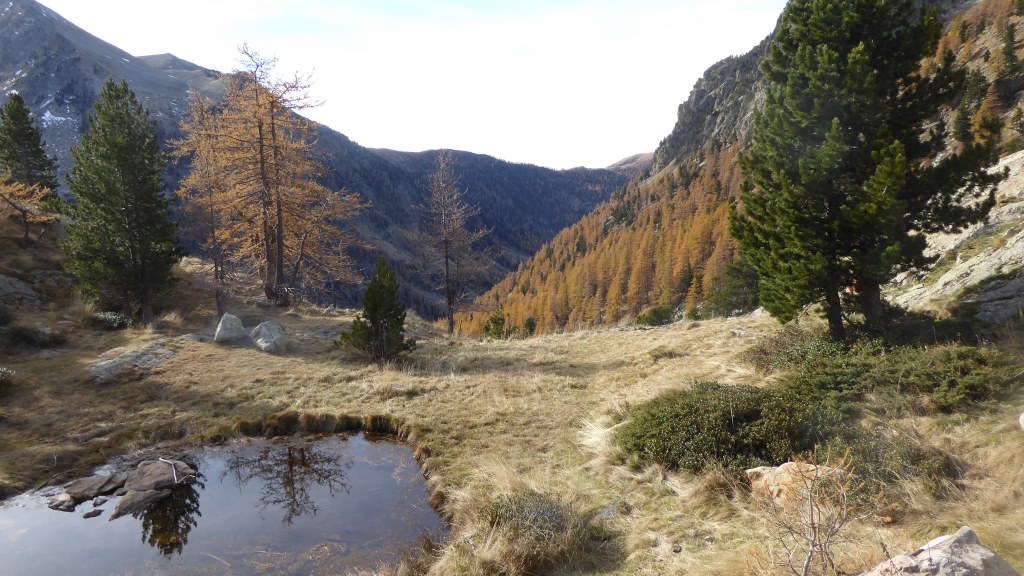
(88,488)
(16,294)
(959,554)
(786,483)
(269,337)
(113,362)
(159,474)
(138,502)
(230,329)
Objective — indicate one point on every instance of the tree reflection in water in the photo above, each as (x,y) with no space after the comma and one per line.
(166,525)
(289,471)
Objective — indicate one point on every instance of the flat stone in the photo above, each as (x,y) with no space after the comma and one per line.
(230,329)
(138,502)
(159,474)
(62,502)
(113,362)
(88,488)
(959,554)
(93,513)
(269,337)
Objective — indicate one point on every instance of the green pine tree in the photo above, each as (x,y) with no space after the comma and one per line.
(120,242)
(22,152)
(1009,50)
(380,330)
(839,183)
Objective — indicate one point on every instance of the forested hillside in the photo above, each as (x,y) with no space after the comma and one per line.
(664,239)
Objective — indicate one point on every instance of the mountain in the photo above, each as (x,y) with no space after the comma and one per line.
(59,68)
(664,240)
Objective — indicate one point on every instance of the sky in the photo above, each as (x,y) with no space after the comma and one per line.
(557,83)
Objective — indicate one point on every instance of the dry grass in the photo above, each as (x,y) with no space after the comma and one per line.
(495,418)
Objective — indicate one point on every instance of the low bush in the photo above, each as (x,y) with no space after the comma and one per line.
(26,337)
(537,530)
(947,378)
(655,316)
(789,348)
(6,376)
(735,427)
(110,321)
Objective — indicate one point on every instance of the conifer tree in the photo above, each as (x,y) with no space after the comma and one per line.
(120,242)
(380,330)
(22,151)
(840,180)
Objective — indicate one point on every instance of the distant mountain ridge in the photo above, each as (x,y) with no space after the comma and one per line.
(59,68)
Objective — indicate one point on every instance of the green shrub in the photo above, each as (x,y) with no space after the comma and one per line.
(736,427)
(110,321)
(948,377)
(6,376)
(538,530)
(5,315)
(789,348)
(26,337)
(655,316)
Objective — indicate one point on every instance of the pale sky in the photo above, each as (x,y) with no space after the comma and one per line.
(557,83)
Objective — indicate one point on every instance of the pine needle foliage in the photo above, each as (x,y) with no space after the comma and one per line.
(121,242)
(380,330)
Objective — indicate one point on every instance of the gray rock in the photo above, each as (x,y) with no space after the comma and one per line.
(959,554)
(62,502)
(269,337)
(113,362)
(99,501)
(93,513)
(120,491)
(1021,421)
(138,502)
(159,474)
(229,329)
(16,294)
(88,488)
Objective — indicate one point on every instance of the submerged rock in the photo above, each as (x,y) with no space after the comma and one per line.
(138,502)
(88,488)
(229,329)
(159,474)
(269,337)
(93,513)
(62,502)
(959,554)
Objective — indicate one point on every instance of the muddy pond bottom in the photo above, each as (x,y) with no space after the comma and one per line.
(283,506)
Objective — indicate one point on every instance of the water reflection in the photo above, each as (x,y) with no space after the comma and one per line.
(167,525)
(289,471)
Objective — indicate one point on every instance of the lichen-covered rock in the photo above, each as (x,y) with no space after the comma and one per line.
(269,337)
(159,474)
(138,502)
(230,329)
(959,554)
(113,362)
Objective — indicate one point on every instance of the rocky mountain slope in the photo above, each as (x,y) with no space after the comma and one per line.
(59,68)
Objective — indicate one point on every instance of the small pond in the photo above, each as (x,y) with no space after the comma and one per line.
(282,506)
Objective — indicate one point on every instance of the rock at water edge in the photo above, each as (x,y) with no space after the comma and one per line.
(159,474)
(62,502)
(269,337)
(88,488)
(229,329)
(138,502)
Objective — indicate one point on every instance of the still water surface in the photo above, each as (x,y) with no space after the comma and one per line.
(283,506)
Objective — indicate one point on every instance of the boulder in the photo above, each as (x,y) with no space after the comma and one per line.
(62,502)
(93,513)
(1021,421)
(138,502)
(159,474)
(781,484)
(113,362)
(88,488)
(229,329)
(16,294)
(959,554)
(269,337)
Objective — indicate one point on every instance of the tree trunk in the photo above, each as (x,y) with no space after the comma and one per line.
(870,295)
(834,313)
(147,309)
